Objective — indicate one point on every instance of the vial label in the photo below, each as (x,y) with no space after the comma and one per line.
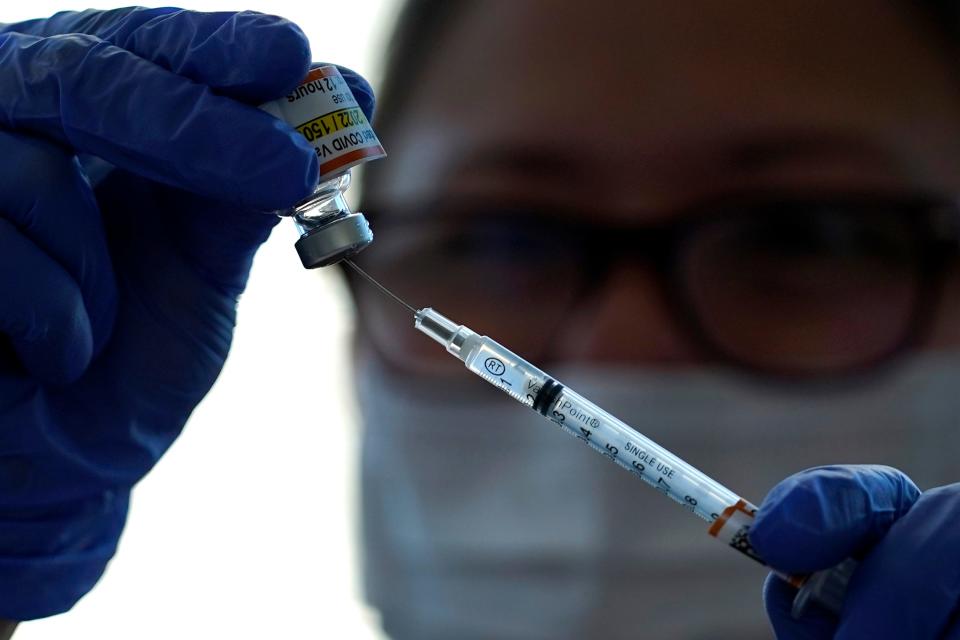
(323,109)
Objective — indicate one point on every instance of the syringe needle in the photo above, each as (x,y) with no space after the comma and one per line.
(379,286)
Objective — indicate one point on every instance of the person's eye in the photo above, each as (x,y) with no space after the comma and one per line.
(827,285)
(831,236)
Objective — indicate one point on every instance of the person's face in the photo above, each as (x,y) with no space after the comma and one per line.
(541,139)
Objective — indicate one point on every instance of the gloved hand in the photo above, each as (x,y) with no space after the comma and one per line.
(120,271)
(907,584)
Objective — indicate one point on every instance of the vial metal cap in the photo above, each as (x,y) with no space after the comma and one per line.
(339,239)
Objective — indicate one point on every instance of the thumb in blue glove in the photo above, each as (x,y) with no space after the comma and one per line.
(907,584)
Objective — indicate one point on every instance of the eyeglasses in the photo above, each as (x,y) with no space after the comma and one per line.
(785,286)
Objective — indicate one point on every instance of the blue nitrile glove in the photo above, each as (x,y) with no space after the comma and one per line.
(118,295)
(907,584)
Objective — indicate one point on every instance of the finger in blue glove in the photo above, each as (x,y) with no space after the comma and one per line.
(907,584)
(816,518)
(94,97)
(249,56)
(58,290)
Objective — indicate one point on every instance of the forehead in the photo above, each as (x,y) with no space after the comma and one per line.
(637,99)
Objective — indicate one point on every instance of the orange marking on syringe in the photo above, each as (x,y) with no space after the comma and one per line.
(740,506)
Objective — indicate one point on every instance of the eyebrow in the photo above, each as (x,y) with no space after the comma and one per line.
(754,152)
(768,149)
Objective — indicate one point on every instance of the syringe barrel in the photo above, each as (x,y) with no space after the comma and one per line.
(608,435)
(730,516)
(580,417)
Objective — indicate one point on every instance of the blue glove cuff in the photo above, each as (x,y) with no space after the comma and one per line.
(61,553)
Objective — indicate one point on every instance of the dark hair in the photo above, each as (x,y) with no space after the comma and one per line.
(417,28)
(944,14)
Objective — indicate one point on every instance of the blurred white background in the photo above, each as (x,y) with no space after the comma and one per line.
(248,526)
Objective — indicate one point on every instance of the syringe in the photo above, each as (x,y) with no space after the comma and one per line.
(730,516)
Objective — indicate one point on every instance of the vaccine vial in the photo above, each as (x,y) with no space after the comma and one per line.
(323,109)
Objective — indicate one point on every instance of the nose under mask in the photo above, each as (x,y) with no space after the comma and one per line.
(481,519)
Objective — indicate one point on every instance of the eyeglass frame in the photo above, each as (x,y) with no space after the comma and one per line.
(935,221)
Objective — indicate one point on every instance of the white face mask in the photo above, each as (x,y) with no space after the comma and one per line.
(481,519)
